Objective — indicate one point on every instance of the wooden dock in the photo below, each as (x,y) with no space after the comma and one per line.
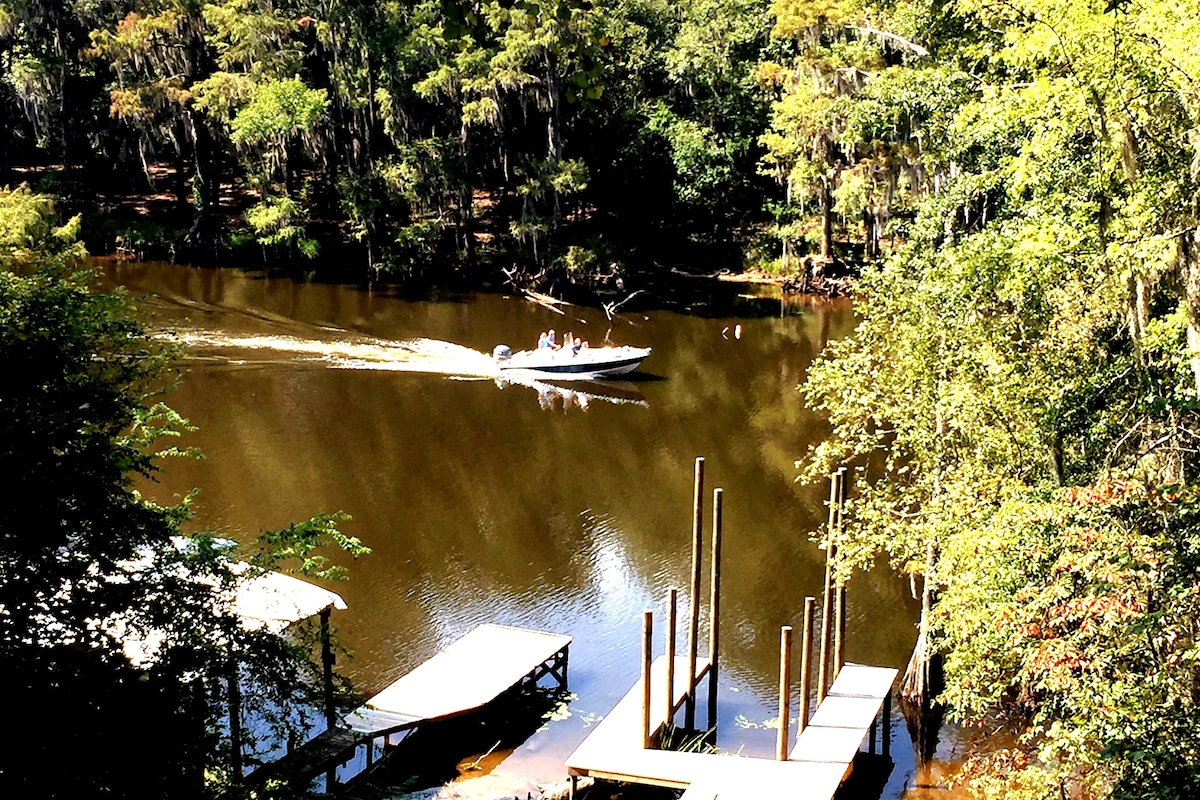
(622,746)
(464,677)
(815,768)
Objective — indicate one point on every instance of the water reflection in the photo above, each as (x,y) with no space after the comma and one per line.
(579,395)
(482,506)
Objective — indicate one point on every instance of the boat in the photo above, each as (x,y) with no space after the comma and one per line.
(590,362)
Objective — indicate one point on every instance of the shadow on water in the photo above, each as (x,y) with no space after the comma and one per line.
(869,776)
(462,748)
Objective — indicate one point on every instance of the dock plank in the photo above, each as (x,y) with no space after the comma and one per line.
(818,764)
(622,727)
(845,716)
(379,723)
(469,673)
(832,745)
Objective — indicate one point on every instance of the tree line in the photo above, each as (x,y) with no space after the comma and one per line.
(559,140)
(567,137)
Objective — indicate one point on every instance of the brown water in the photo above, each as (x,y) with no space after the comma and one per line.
(567,510)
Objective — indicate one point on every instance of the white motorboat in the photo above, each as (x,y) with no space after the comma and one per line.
(589,362)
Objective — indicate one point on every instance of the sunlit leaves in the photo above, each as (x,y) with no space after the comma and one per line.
(1033,331)
(28,235)
(253,38)
(295,548)
(1070,618)
(278,111)
(279,221)
(794,17)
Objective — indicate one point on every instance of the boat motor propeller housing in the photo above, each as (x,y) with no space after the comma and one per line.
(502,352)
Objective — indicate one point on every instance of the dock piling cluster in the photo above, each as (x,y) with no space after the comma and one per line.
(850,697)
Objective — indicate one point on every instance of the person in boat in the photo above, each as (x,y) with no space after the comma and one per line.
(568,340)
(576,346)
(550,338)
(543,341)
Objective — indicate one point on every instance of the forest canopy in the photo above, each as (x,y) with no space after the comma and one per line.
(425,138)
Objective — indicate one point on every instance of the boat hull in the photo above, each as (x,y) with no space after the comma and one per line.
(592,362)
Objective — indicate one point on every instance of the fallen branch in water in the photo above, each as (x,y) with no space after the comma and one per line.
(545,301)
(611,308)
(474,765)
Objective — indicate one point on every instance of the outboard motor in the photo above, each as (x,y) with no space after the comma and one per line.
(502,352)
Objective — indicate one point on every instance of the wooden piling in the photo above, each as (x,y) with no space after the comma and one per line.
(823,680)
(694,623)
(806,651)
(839,630)
(714,608)
(672,602)
(647,657)
(887,726)
(785,692)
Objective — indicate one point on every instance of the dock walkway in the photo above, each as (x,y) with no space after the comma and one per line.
(464,677)
(816,766)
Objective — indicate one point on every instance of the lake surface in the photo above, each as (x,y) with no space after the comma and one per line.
(565,510)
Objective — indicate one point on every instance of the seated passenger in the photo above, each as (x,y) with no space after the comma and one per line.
(543,341)
(576,346)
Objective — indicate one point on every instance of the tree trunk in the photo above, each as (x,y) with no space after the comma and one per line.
(554,91)
(1190,274)
(870,234)
(467,202)
(923,680)
(201,238)
(826,220)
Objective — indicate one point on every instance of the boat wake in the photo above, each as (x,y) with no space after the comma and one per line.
(365,353)
(428,356)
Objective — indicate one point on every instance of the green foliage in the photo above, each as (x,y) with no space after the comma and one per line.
(28,235)
(278,111)
(279,222)
(1035,330)
(111,618)
(315,104)
(702,164)
(1071,618)
(299,542)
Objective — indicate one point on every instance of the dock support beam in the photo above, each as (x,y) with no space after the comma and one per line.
(235,719)
(647,657)
(785,693)
(806,652)
(714,609)
(839,630)
(887,726)
(327,660)
(694,623)
(672,602)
